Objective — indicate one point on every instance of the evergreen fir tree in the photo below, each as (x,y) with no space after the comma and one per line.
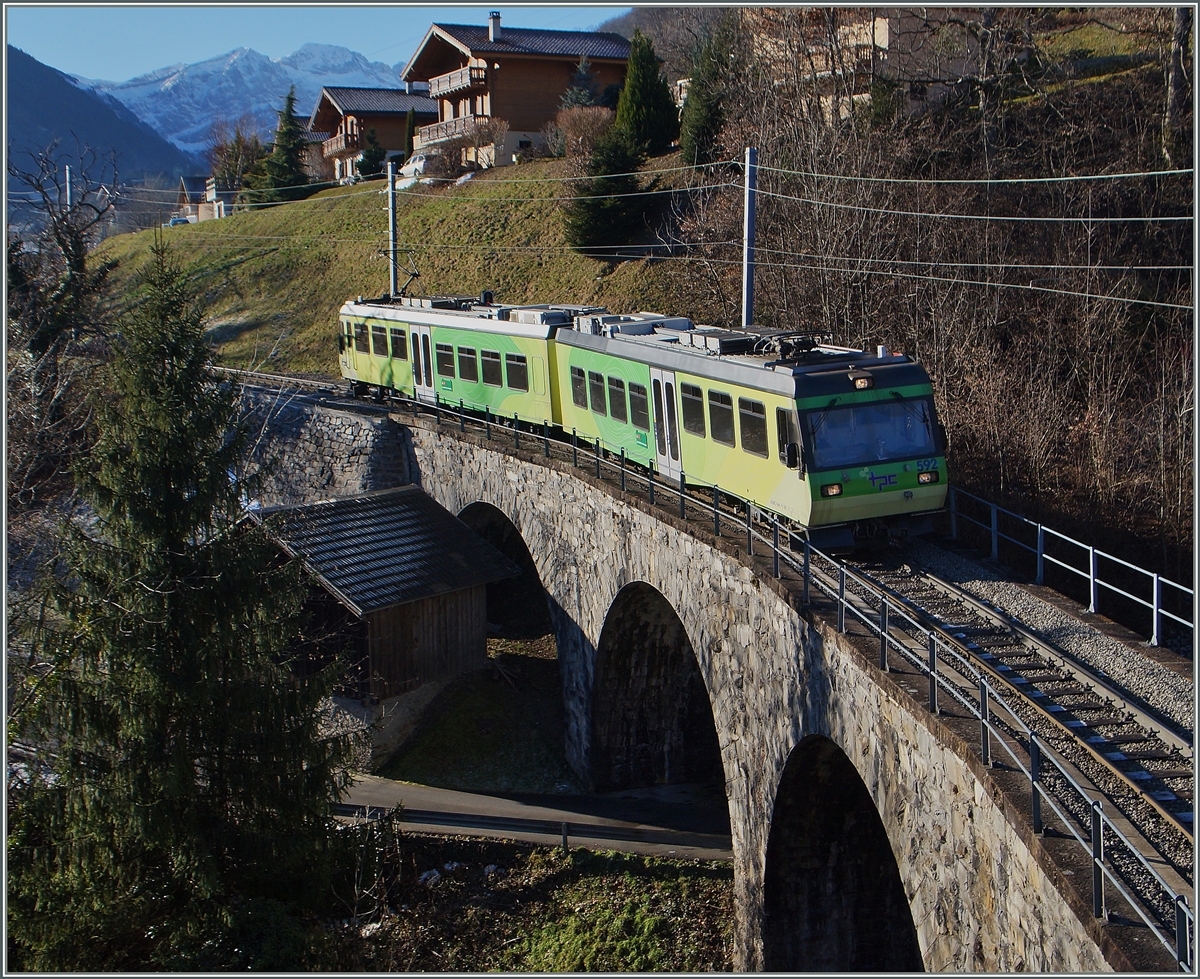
(582,90)
(281,175)
(182,817)
(410,132)
(646,109)
(373,156)
(600,215)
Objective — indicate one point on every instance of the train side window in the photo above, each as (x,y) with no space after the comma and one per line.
(639,406)
(616,399)
(596,388)
(379,340)
(578,387)
(444,354)
(491,367)
(753,418)
(786,431)
(399,344)
(720,416)
(360,338)
(693,409)
(468,366)
(518,371)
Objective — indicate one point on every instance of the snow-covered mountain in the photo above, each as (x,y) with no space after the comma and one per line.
(183,101)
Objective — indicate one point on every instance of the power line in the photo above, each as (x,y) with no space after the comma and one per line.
(978,265)
(980,180)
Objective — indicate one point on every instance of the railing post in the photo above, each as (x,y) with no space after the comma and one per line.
(650,483)
(933,700)
(462,416)
(716,511)
(1041,556)
(622,469)
(597,447)
(953,514)
(883,635)
(841,611)
(487,423)
(1093,579)
(1156,620)
(995,531)
(985,735)
(682,497)
(437,412)
(807,568)
(516,432)
(574,448)
(1097,859)
(546,437)
(1035,776)
(749,529)
(775,547)
(1182,945)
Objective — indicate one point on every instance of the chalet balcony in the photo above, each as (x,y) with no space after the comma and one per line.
(340,144)
(448,129)
(457,81)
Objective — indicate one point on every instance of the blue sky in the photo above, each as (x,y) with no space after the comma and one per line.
(116,43)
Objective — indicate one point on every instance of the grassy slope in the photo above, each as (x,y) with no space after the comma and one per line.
(274,279)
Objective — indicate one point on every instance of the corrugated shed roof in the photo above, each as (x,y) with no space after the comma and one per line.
(350,100)
(526,40)
(387,548)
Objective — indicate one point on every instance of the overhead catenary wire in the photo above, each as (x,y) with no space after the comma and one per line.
(983,181)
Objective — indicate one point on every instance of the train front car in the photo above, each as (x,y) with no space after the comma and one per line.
(872,445)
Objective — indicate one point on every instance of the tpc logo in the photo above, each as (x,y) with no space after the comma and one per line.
(882,482)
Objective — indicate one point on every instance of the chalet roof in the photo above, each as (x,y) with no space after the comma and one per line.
(193,188)
(472,39)
(378,101)
(386,548)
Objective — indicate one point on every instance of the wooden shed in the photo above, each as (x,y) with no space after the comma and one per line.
(411,576)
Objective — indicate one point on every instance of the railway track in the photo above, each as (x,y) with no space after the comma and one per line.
(1119,746)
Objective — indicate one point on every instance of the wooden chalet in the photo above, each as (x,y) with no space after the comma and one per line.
(403,586)
(482,73)
(346,115)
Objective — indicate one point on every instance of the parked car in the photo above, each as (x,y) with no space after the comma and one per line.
(174,221)
(417,164)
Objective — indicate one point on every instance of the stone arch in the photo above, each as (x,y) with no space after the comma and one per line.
(833,898)
(519,606)
(652,721)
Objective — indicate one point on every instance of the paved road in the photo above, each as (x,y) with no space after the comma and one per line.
(685,821)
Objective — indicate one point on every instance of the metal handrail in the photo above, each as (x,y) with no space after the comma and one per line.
(1181,946)
(1095,583)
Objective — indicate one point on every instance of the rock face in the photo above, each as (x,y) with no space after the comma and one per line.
(182,101)
(917,860)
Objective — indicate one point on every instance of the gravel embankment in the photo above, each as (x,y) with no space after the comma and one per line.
(1158,686)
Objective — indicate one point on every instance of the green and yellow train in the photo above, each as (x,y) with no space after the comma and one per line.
(843,444)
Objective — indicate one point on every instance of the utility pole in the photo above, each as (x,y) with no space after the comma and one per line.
(748,237)
(393,288)
(68,169)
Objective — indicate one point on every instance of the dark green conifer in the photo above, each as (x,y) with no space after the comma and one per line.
(701,120)
(180,820)
(373,156)
(602,214)
(646,109)
(281,175)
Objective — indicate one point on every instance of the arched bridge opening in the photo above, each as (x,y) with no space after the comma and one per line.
(652,721)
(833,899)
(518,607)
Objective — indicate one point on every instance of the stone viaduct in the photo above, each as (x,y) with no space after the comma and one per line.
(866,834)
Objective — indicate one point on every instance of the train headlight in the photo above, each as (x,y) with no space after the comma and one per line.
(833,489)
(929,476)
(863,380)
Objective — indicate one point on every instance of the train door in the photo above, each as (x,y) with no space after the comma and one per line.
(666,426)
(422,361)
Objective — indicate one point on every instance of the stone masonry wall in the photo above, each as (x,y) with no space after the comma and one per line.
(981,895)
(321,453)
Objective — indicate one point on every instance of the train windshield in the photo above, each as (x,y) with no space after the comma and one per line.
(861,434)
